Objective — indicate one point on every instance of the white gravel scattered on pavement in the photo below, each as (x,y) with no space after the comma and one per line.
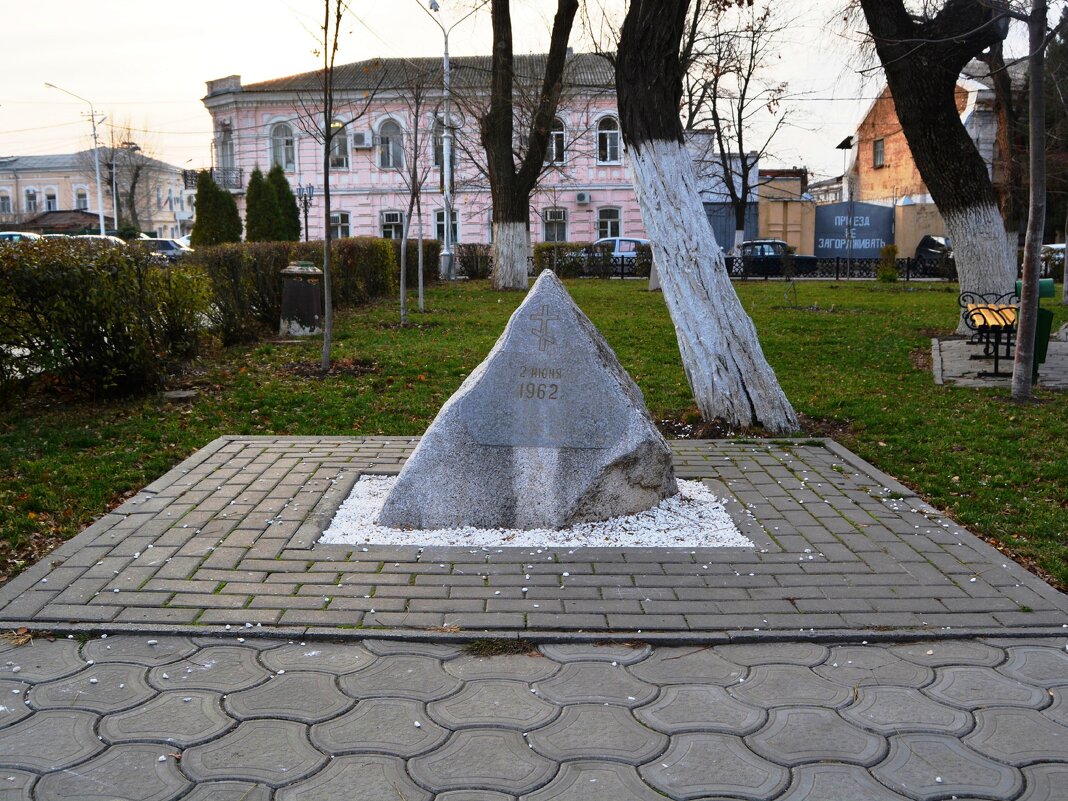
(695,518)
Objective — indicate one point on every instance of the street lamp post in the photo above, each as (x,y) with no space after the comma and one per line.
(446,136)
(96,154)
(304,197)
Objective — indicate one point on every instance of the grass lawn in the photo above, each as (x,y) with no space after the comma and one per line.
(853,358)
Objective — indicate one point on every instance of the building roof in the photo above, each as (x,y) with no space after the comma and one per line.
(70,221)
(581,70)
(64,162)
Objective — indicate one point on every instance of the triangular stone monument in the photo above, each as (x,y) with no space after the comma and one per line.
(548,431)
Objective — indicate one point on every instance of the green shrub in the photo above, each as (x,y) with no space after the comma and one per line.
(103,320)
(217,218)
(566,259)
(643,264)
(431,260)
(886,271)
(473,259)
(288,210)
(363,267)
(263,218)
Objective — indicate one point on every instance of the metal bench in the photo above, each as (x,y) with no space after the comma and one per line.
(992,318)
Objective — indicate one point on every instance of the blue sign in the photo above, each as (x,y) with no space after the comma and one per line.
(871,227)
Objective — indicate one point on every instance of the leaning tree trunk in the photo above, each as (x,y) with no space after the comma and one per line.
(922,81)
(724,363)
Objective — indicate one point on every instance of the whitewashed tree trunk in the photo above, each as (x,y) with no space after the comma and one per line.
(739,237)
(654,278)
(511,249)
(980,248)
(721,354)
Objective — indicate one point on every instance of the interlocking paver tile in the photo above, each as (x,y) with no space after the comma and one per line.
(472,795)
(949,652)
(973,687)
(13,706)
(329,657)
(896,710)
(141,649)
(383,725)
(274,752)
(130,772)
(40,660)
(487,758)
(703,765)
(108,687)
(224,668)
(1045,782)
(370,777)
(15,785)
(860,665)
(302,696)
(595,682)
(591,731)
(1058,710)
(493,702)
(1018,736)
(776,685)
(933,766)
(684,665)
(795,735)
(520,667)
(418,677)
(696,707)
(229,791)
(1041,665)
(182,718)
(594,781)
(785,653)
(49,741)
(831,782)
(621,654)
(403,647)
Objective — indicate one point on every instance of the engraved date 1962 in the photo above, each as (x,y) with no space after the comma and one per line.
(531,391)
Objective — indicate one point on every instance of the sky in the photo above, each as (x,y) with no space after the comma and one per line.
(144,63)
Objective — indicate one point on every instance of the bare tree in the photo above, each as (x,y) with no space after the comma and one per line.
(724,363)
(130,170)
(512,184)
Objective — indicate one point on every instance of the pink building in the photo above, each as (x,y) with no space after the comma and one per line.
(585,193)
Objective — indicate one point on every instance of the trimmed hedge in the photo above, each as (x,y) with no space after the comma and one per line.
(103,320)
(431,261)
(473,259)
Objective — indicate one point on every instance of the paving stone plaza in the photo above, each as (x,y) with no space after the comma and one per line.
(867,647)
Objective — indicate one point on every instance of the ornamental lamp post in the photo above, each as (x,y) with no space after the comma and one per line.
(304,197)
(96,154)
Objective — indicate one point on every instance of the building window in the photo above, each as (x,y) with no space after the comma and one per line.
(439,144)
(225,150)
(554,153)
(339,224)
(439,225)
(51,204)
(392,224)
(81,200)
(5,203)
(608,223)
(31,200)
(608,140)
(339,146)
(555,225)
(878,153)
(282,147)
(390,146)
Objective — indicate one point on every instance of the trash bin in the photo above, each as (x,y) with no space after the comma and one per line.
(1043,330)
(302,300)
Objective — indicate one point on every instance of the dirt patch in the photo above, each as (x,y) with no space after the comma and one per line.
(393,326)
(921,359)
(16,558)
(825,427)
(349,367)
(675,428)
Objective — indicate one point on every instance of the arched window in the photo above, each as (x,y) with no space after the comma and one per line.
(51,201)
(5,203)
(439,144)
(390,146)
(339,224)
(339,145)
(555,152)
(31,200)
(81,200)
(608,140)
(225,150)
(282,149)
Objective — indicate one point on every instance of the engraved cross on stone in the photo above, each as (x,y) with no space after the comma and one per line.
(544,317)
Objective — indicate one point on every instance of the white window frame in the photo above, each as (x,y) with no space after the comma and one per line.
(437,143)
(605,223)
(608,141)
(392,222)
(29,199)
(81,198)
(339,147)
(5,202)
(556,151)
(283,146)
(51,199)
(439,225)
(552,220)
(390,146)
(224,149)
(340,224)
(878,153)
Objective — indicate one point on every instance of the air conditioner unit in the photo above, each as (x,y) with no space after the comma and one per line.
(362,140)
(391,217)
(583,198)
(555,215)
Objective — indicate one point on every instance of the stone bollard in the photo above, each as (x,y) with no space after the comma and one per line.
(302,300)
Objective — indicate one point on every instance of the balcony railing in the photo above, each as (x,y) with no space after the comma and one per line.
(232,179)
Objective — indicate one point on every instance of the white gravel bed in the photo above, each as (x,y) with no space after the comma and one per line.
(695,518)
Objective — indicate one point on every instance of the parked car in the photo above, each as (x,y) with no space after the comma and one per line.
(623,247)
(766,257)
(169,250)
(934,248)
(102,239)
(18,236)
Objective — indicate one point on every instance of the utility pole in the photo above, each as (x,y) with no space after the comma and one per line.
(96,155)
